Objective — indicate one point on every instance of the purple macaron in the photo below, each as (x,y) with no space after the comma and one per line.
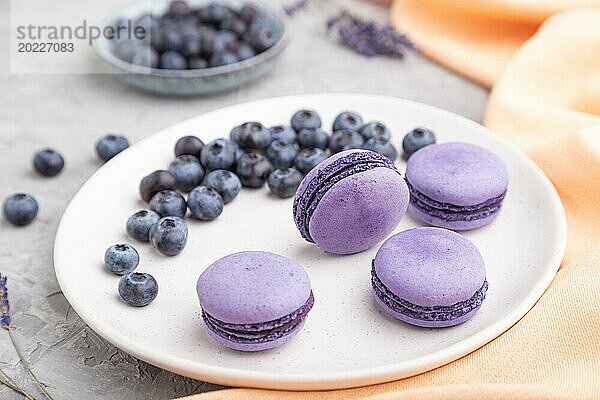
(429,277)
(457,186)
(350,202)
(254,300)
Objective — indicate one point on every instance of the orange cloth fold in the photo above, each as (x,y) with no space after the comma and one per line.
(546,102)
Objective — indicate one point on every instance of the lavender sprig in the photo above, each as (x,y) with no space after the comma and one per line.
(295,6)
(5,319)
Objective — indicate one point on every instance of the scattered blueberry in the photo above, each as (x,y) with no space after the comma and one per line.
(172,60)
(381,145)
(309,158)
(155,182)
(225,182)
(48,162)
(284,182)
(168,203)
(253,170)
(416,139)
(305,119)
(348,120)
(110,145)
(284,133)
(188,145)
(345,140)
(20,209)
(313,138)
(138,225)
(218,154)
(138,289)
(121,259)
(281,154)
(188,172)
(375,129)
(169,235)
(205,203)
(251,135)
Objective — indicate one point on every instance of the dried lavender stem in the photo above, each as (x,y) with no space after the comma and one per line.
(27,366)
(13,386)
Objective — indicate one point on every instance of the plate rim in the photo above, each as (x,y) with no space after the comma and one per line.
(335,380)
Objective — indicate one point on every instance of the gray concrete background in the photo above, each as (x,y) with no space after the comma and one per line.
(69,112)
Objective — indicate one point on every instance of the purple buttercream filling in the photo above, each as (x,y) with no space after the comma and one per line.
(433,313)
(259,332)
(354,163)
(452,212)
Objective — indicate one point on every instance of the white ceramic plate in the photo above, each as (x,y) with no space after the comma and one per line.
(347,341)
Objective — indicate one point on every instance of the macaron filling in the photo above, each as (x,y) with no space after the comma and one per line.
(259,332)
(354,163)
(452,212)
(429,313)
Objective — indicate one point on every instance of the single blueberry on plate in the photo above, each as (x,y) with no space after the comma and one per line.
(313,138)
(417,139)
(169,235)
(284,182)
(284,133)
(225,182)
(205,203)
(345,140)
(188,145)
(251,135)
(110,145)
(48,162)
(348,120)
(375,129)
(222,58)
(218,154)
(138,225)
(138,289)
(155,182)
(168,203)
(172,60)
(307,159)
(281,154)
(121,259)
(188,172)
(20,209)
(253,170)
(305,119)
(380,144)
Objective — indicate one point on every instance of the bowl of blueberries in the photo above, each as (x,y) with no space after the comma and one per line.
(194,47)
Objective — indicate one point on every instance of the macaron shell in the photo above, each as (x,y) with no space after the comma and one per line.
(454,225)
(359,211)
(461,174)
(252,287)
(430,267)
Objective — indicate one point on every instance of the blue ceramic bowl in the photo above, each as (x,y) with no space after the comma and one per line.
(190,82)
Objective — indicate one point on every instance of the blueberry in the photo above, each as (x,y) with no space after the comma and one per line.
(146,56)
(249,13)
(262,38)
(284,182)
(251,135)
(205,203)
(345,140)
(20,209)
(225,182)
(253,170)
(168,203)
(188,145)
(218,154)
(121,259)
(381,145)
(169,235)
(126,49)
(197,62)
(305,119)
(179,8)
(48,162)
(217,12)
(233,24)
(309,158)
(348,120)
(192,46)
(172,60)
(188,172)
(110,145)
(375,129)
(281,154)
(138,225)
(284,133)
(313,138)
(138,289)
(416,139)
(222,40)
(155,182)
(242,50)
(170,40)
(223,58)
(207,40)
